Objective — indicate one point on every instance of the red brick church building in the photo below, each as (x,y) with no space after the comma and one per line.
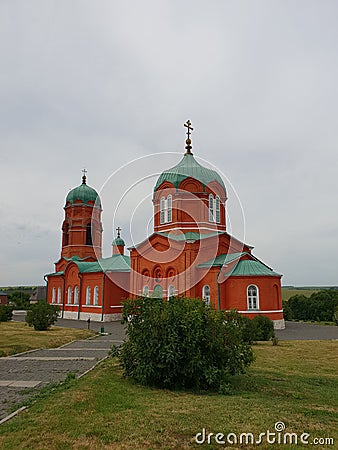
(189,253)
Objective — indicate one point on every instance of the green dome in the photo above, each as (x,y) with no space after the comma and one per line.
(118,241)
(188,167)
(84,193)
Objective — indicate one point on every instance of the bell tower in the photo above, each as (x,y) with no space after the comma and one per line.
(82,227)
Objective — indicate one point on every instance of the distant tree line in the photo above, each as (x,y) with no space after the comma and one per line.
(19,300)
(321,306)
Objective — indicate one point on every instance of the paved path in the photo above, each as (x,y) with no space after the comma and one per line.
(307,332)
(22,375)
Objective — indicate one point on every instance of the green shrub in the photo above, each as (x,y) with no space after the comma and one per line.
(19,300)
(42,315)
(249,333)
(263,328)
(182,343)
(260,328)
(287,311)
(335,315)
(320,306)
(6,313)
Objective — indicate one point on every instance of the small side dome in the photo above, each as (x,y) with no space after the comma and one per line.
(188,167)
(85,194)
(118,241)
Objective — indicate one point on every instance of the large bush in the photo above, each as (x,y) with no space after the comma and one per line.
(6,313)
(182,343)
(42,315)
(260,328)
(320,306)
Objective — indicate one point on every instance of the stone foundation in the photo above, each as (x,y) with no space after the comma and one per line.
(279,324)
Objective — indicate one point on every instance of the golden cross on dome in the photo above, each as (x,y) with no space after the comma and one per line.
(118,229)
(187,124)
(188,147)
(84,171)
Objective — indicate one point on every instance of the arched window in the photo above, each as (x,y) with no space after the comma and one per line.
(96,296)
(218,209)
(88,295)
(162,210)
(59,295)
(211,208)
(169,208)
(157,292)
(171,291)
(53,295)
(206,294)
(252,296)
(76,295)
(69,295)
(89,240)
(66,235)
(145,291)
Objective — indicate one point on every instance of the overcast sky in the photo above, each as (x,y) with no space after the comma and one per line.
(99,84)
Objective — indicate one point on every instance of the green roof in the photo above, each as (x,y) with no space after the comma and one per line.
(249,267)
(85,194)
(76,258)
(186,168)
(189,235)
(220,260)
(116,263)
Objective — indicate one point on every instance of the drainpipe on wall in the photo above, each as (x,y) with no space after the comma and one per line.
(219,288)
(46,281)
(63,295)
(102,314)
(79,298)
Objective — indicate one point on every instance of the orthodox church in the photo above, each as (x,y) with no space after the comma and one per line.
(189,253)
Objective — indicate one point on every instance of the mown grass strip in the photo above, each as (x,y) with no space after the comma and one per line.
(18,337)
(294,382)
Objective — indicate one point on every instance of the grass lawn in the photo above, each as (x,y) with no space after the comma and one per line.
(294,382)
(16,337)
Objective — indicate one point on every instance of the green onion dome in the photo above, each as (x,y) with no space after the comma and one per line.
(188,167)
(118,241)
(84,194)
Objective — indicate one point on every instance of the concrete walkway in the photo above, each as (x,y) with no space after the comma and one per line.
(22,375)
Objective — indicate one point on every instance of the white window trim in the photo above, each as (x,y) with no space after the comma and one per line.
(211,208)
(96,296)
(206,298)
(173,291)
(217,205)
(169,206)
(166,205)
(59,297)
(76,295)
(145,291)
(162,210)
(69,295)
(88,295)
(251,297)
(53,295)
